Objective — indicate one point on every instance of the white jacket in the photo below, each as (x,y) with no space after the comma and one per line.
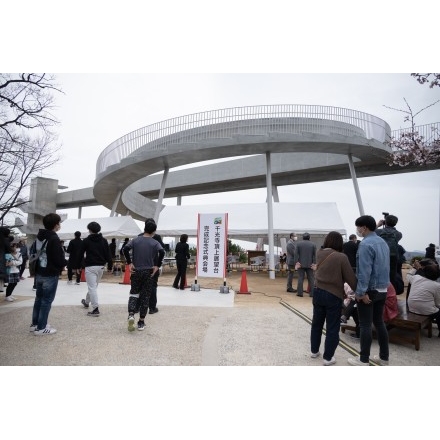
(15,263)
(424,296)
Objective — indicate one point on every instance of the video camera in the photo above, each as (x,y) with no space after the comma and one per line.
(385,216)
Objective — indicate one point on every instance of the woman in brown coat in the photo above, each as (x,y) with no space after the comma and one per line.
(332,270)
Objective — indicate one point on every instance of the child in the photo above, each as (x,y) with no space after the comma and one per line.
(13,263)
(349,304)
(350,311)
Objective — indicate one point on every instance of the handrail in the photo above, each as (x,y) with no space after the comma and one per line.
(256,118)
(430,132)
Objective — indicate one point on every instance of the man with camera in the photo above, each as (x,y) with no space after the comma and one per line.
(392,236)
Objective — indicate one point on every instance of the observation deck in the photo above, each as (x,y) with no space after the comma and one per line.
(306,143)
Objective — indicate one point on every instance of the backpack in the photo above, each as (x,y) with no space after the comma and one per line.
(391,241)
(8,258)
(37,254)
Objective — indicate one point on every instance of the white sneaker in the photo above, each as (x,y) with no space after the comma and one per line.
(46,331)
(32,327)
(70,282)
(315,355)
(326,363)
(357,362)
(9,298)
(13,297)
(380,361)
(131,323)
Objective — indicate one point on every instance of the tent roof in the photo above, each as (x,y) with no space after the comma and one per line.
(117,227)
(249,221)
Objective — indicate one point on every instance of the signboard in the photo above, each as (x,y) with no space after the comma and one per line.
(212,233)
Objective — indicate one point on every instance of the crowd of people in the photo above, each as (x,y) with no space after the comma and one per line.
(358,280)
(89,256)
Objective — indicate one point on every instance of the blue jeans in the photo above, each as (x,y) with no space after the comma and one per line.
(44,296)
(373,314)
(326,308)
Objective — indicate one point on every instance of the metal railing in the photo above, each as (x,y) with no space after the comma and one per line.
(251,120)
(430,132)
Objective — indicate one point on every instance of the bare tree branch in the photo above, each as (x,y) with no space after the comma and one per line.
(27,144)
(26,102)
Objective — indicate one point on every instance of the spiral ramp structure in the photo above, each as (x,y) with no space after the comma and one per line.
(305,144)
(257,146)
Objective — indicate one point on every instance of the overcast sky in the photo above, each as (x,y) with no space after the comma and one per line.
(197,36)
(96,109)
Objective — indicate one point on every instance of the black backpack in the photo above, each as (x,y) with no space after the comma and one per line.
(391,240)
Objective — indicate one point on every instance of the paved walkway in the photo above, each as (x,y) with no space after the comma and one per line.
(191,329)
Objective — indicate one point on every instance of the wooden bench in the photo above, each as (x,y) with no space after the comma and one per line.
(412,325)
(407,327)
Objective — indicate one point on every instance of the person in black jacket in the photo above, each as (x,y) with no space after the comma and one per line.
(74,251)
(24,256)
(97,254)
(112,246)
(350,249)
(182,257)
(5,248)
(430,251)
(47,272)
(152,303)
(121,251)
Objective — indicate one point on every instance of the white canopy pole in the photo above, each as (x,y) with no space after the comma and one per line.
(270,215)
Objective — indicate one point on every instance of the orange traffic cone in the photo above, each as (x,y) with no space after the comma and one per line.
(243,285)
(127,276)
(83,275)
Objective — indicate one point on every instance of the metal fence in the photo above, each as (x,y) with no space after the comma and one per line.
(430,132)
(222,123)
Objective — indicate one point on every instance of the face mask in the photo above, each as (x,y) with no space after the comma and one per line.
(295,238)
(358,232)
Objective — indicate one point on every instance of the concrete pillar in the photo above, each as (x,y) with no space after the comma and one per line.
(42,201)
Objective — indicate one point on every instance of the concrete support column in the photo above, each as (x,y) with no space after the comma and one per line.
(355,184)
(161,194)
(42,201)
(115,204)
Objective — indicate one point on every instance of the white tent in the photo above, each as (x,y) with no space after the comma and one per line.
(249,221)
(111,227)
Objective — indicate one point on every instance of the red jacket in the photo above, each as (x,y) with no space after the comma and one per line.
(390,311)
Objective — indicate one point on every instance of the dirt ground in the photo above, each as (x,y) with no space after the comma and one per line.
(262,288)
